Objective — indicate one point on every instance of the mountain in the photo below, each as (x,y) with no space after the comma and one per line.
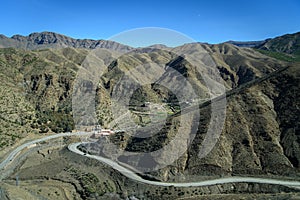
(45,40)
(261,125)
(289,44)
(261,129)
(257,126)
(260,133)
(35,91)
(286,47)
(249,44)
(44,79)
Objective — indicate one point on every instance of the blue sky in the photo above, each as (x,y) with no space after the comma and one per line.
(211,21)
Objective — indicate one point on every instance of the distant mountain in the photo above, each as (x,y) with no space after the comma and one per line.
(45,40)
(250,44)
(286,47)
(289,43)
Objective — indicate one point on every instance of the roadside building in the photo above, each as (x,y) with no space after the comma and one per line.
(102,133)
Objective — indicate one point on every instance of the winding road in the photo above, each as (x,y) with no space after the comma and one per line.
(132,175)
(10,158)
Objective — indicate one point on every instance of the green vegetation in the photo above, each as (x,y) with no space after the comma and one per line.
(56,121)
(280,56)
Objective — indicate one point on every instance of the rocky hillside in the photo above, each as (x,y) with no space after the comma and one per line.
(236,66)
(289,43)
(17,115)
(261,119)
(257,127)
(286,47)
(44,79)
(260,134)
(35,91)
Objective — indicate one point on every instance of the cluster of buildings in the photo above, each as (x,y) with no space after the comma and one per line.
(99,132)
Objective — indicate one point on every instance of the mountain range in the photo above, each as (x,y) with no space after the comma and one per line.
(45,40)
(261,80)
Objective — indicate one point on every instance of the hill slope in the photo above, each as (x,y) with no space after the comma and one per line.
(289,43)
(261,122)
(45,77)
(255,126)
(286,47)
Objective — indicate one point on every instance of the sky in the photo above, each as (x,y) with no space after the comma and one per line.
(212,21)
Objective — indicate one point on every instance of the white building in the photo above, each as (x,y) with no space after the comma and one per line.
(102,132)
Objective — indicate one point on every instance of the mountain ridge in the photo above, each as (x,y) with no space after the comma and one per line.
(44,40)
(250,44)
(288,43)
(48,39)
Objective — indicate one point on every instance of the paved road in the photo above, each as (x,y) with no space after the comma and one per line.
(16,151)
(130,174)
